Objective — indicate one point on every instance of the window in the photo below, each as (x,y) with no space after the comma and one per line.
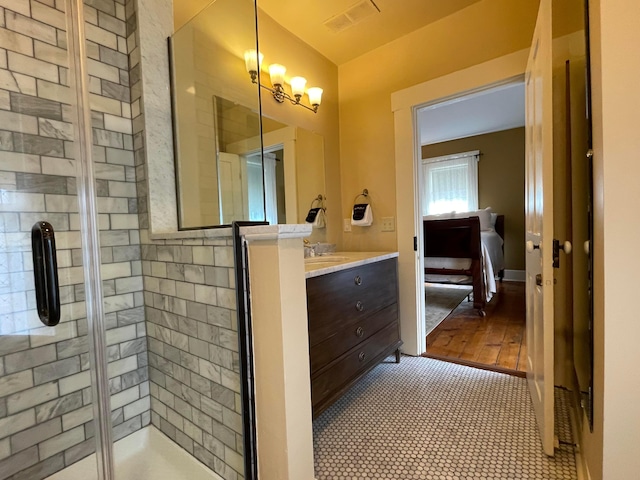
(450,183)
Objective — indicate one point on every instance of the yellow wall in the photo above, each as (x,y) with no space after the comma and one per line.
(280,46)
(483,31)
(500,182)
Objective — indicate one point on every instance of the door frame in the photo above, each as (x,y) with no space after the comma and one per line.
(404,105)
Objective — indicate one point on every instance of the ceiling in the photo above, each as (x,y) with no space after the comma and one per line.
(375,24)
(494,110)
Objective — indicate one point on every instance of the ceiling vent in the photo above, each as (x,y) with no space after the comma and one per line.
(353,15)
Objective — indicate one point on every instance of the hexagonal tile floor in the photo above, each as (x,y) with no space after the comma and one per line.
(432,420)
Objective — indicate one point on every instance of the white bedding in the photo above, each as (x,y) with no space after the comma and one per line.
(492,263)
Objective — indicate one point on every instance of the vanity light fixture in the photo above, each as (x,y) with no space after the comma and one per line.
(253,62)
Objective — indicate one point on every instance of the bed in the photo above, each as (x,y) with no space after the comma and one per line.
(465,251)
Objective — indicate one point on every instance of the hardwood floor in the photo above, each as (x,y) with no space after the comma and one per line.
(496,341)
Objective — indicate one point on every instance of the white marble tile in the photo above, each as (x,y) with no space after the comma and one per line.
(53,91)
(48,15)
(17,201)
(16,42)
(26,84)
(61,442)
(121,334)
(17,122)
(101,36)
(61,203)
(16,423)
(74,382)
(33,67)
(51,54)
(20,6)
(31,28)
(137,407)
(77,417)
(104,104)
(55,129)
(115,270)
(102,70)
(118,368)
(15,382)
(124,221)
(113,205)
(118,124)
(118,302)
(5,102)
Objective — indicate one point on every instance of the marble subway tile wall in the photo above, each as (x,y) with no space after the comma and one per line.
(45,398)
(193,349)
(190,301)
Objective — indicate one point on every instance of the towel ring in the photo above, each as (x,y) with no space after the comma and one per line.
(365,194)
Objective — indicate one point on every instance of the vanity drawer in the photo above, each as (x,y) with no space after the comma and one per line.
(347,296)
(351,365)
(349,336)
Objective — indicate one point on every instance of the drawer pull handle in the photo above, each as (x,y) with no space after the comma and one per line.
(359,306)
(358,280)
(359,332)
(362,356)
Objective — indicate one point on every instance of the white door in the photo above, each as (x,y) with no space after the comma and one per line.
(232,206)
(539,225)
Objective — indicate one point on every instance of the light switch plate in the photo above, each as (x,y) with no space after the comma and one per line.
(346,224)
(388,224)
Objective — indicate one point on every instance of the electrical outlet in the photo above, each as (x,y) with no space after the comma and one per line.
(346,225)
(388,224)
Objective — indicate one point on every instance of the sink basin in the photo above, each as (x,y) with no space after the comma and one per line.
(329,259)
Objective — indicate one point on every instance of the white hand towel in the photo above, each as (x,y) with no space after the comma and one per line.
(362,215)
(316,217)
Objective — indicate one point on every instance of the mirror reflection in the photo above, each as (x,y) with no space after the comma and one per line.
(224,172)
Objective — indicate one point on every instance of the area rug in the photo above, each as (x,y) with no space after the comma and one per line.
(440,301)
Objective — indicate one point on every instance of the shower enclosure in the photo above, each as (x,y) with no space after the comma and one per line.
(106,337)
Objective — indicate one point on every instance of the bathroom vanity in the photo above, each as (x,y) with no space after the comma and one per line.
(352,303)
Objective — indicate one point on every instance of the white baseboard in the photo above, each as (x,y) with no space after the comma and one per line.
(514,275)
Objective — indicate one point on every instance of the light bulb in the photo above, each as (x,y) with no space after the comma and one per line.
(315,95)
(252,60)
(297,86)
(277,71)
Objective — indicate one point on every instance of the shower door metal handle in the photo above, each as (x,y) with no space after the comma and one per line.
(45,273)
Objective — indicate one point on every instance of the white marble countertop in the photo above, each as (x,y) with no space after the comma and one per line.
(334,262)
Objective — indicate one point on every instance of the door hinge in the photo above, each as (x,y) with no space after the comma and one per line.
(415,244)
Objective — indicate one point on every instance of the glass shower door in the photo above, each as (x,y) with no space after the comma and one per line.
(49,258)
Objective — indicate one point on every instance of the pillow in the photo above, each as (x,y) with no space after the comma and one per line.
(494,219)
(483,215)
(440,216)
(485,218)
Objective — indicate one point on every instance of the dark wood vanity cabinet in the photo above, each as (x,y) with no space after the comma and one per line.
(353,326)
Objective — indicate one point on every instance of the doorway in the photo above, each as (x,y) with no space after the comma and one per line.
(471,162)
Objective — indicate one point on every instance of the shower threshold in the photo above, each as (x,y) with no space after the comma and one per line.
(144,455)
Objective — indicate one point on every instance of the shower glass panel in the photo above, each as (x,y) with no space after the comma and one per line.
(53,382)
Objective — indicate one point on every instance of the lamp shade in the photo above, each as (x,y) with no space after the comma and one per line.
(297,85)
(315,95)
(252,60)
(277,71)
